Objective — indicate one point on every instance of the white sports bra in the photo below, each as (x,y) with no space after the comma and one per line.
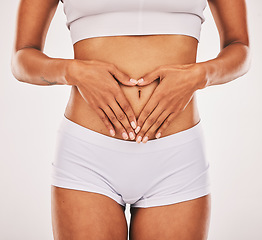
(96,18)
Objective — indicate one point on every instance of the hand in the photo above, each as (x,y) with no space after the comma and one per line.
(97,85)
(175,90)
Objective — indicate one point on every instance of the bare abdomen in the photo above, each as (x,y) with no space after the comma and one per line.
(134,55)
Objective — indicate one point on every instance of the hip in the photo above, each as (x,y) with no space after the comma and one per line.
(162,171)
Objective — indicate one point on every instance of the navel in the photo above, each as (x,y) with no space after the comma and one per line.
(139,93)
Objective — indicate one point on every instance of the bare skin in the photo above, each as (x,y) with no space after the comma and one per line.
(187,220)
(82,215)
(123,52)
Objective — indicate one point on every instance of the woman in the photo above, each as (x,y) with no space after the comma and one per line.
(133,79)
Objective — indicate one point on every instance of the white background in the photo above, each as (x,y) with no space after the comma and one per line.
(231,117)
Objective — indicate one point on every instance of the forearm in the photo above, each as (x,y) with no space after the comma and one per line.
(32,66)
(232,62)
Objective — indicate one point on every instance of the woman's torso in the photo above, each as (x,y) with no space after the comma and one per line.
(135,56)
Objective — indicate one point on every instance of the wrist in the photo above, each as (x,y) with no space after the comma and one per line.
(70,72)
(202,73)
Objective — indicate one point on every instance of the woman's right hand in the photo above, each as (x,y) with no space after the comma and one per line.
(97,85)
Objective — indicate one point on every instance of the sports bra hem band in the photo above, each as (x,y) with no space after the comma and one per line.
(124,23)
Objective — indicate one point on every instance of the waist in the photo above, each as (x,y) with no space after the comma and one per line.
(134,55)
(75,130)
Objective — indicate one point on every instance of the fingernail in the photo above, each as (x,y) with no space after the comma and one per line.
(140,80)
(145,139)
(139,138)
(132,136)
(133,124)
(137,129)
(124,135)
(112,132)
(158,135)
(133,80)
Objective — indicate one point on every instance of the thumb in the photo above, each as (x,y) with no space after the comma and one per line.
(122,77)
(150,77)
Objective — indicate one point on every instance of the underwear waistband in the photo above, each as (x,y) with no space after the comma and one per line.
(69,127)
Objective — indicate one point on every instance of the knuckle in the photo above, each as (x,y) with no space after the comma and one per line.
(166,123)
(146,112)
(114,90)
(102,105)
(151,120)
(130,117)
(121,129)
(120,116)
(107,98)
(103,118)
(118,126)
(113,118)
(117,92)
(129,129)
(140,123)
(158,123)
(125,107)
(107,124)
(120,94)
(150,132)
(142,132)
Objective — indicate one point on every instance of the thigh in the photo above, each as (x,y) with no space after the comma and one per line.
(188,220)
(82,215)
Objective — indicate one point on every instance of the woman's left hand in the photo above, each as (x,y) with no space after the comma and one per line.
(175,90)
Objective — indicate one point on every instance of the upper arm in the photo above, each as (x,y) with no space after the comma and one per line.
(32,23)
(230,17)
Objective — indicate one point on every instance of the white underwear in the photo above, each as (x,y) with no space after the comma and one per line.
(162,171)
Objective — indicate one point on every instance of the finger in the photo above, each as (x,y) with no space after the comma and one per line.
(152,130)
(113,118)
(150,77)
(105,120)
(146,111)
(151,120)
(122,118)
(121,76)
(166,123)
(126,107)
